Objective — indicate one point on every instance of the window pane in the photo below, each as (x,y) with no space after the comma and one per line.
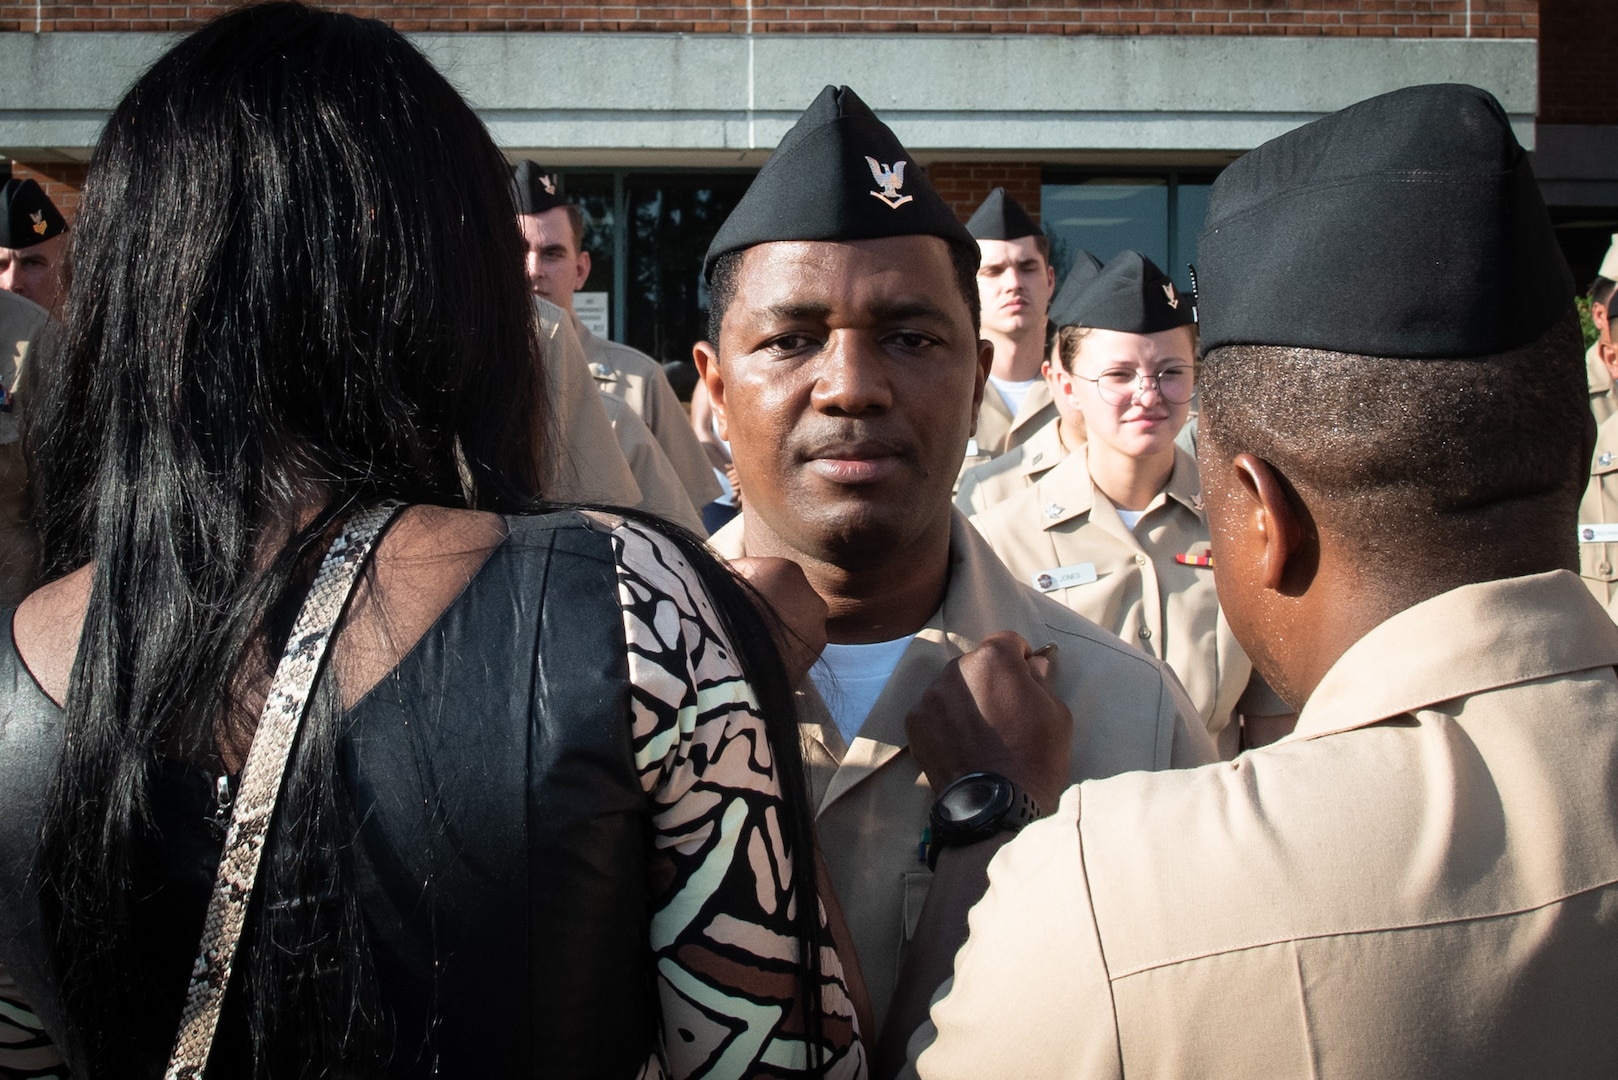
(1105,215)
(672,219)
(1191,211)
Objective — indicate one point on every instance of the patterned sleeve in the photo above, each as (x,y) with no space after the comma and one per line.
(723,896)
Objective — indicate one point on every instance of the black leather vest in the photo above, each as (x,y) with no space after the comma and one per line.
(501,855)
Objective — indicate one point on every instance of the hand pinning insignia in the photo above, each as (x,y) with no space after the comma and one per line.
(892,179)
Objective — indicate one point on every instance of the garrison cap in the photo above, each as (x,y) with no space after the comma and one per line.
(1408,225)
(534,188)
(1130,294)
(1000,217)
(1085,267)
(1609,262)
(839,174)
(27,215)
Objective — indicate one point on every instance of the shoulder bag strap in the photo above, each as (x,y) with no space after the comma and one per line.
(278,725)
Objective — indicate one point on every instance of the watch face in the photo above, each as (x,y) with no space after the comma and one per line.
(969,798)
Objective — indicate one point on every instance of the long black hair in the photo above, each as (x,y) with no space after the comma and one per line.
(295,272)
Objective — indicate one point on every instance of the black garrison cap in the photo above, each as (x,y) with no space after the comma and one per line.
(1000,217)
(1408,225)
(27,215)
(1085,267)
(839,174)
(534,189)
(1132,295)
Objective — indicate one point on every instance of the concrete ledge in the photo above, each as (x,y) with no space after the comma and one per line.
(726,99)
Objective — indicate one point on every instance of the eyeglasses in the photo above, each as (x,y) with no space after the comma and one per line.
(1175,385)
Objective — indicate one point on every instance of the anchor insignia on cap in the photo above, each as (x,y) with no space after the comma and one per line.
(548,184)
(1168,291)
(38,218)
(891,179)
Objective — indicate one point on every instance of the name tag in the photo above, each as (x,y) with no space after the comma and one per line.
(1064,577)
(971,448)
(1598,534)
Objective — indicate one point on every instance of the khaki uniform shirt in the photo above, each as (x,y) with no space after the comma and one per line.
(999,431)
(1065,538)
(1421,881)
(1598,517)
(635,378)
(1603,398)
(998,479)
(660,489)
(871,798)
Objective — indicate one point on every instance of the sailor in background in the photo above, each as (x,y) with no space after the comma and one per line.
(1117,530)
(33,244)
(557,267)
(1015,283)
(993,481)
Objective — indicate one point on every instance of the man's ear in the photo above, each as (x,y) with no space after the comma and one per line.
(706,356)
(582,266)
(1282,523)
(1600,316)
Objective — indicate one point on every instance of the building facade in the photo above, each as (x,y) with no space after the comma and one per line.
(1108,119)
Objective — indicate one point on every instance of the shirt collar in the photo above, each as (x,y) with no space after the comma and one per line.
(1475,638)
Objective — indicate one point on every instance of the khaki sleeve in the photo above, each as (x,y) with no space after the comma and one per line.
(1191,744)
(586,465)
(666,417)
(660,489)
(1030,997)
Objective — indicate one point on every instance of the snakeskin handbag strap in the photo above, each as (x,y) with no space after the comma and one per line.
(278,725)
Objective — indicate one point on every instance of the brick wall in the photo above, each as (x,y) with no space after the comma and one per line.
(1380,18)
(965,184)
(1578,62)
(61,182)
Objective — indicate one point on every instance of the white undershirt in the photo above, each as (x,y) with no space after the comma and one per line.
(1013,393)
(1131,517)
(850,678)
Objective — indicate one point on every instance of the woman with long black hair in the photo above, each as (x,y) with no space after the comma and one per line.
(546,813)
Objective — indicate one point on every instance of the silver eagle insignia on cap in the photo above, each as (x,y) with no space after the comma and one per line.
(1168,291)
(891,179)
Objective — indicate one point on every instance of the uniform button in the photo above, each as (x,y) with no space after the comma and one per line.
(1141,559)
(1604,569)
(1146,633)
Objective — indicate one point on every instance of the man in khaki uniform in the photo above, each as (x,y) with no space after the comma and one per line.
(1422,880)
(993,481)
(1601,358)
(1015,283)
(844,368)
(557,267)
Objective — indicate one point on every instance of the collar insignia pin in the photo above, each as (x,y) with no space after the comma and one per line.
(1168,291)
(1054,510)
(891,179)
(1605,459)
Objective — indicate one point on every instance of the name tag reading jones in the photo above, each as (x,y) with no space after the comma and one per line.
(1064,577)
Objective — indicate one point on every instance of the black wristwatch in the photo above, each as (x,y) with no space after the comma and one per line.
(974,807)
